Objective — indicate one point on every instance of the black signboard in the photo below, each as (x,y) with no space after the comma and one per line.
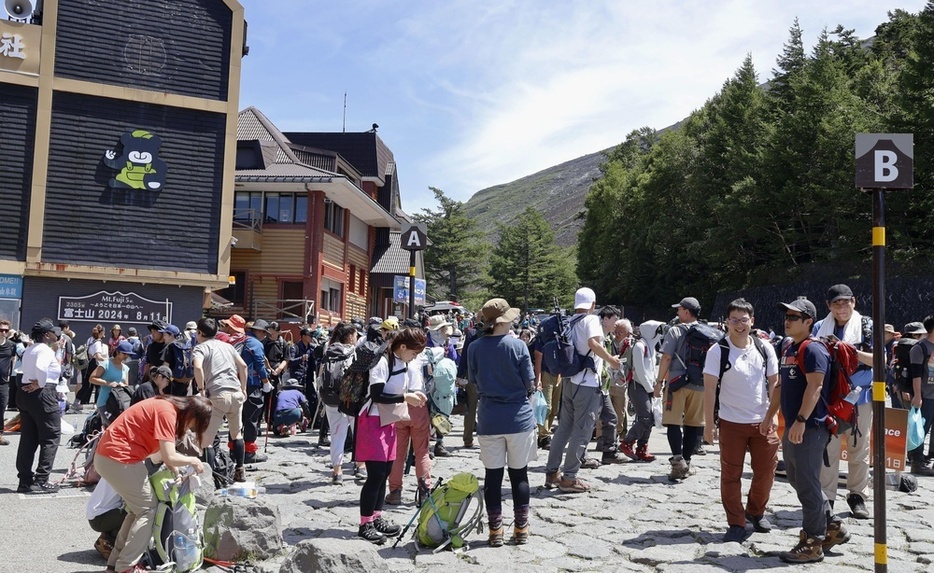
(110,306)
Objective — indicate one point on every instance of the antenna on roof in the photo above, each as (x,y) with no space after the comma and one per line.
(344,126)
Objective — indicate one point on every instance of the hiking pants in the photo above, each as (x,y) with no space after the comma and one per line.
(606,434)
(641,427)
(4,400)
(619,396)
(131,481)
(551,388)
(763,458)
(41,419)
(579,408)
(803,463)
(470,418)
(252,410)
(418,429)
(857,476)
(340,424)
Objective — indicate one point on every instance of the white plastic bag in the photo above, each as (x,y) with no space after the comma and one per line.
(657,411)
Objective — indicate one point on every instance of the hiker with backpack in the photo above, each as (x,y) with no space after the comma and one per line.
(846,324)
(922,393)
(256,386)
(681,371)
(148,429)
(501,367)
(388,400)
(582,354)
(801,396)
(739,374)
(439,336)
(177,356)
(608,416)
(337,358)
(112,373)
(638,357)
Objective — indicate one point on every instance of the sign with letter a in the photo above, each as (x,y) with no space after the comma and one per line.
(414,238)
(884,160)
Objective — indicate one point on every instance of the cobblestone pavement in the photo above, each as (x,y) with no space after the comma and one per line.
(635,519)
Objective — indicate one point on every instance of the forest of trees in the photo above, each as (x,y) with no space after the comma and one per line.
(757,186)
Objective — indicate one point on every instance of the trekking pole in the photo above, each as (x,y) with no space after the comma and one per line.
(418,510)
(268,424)
(318,407)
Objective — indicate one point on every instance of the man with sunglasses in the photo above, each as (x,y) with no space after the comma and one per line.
(798,394)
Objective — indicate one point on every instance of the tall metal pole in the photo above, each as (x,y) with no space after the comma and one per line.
(878,383)
(411,284)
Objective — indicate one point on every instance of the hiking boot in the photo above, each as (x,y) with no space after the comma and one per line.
(573,485)
(760,523)
(43,488)
(104,546)
(324,442)
(612,457)
(808,550)
(700,451)
(857,506)
(386,527)
(919,469)
(369,532)
(441,452)
(359,473)
(496,536)
(680,469)
(735,534)
(544,443)
(590,463)
(520,535)
(240,474)
(642,453)
(628,449)
(254,458)
(4,441)
(394,497)
(836,535)
(552,479)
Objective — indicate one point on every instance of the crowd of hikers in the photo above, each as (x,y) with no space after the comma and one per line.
(380,394)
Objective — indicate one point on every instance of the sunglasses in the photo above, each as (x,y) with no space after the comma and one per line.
(793,317)
(4,330)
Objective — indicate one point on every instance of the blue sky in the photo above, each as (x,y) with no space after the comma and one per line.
(470,94)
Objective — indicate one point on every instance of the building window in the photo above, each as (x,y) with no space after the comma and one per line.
(353,278)
(359,232)
(334,218)
(331,295)
(270,207)
(236,293)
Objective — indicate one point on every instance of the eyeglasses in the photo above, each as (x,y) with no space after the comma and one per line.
(793,317)
(735,321)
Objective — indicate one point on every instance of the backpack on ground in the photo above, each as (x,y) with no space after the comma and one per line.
(333,365)
(177,536)
(355,382)
(698,338)
(726,365)
(224,468)
(842,414)
(443,518)
(117,403)
(902,363)
(559,356)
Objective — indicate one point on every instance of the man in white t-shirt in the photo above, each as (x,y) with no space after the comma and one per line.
(581,399)
(736,401)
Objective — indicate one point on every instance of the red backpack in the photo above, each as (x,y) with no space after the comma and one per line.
(841,412)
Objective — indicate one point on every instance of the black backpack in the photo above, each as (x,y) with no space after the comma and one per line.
(902,363)
(332,369)
(559,356)
(356,379)
(698,338)
(117,403)
(726,365)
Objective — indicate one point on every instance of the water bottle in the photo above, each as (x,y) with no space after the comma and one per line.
(892,480)
(854,395)
(185,552)
(240,491)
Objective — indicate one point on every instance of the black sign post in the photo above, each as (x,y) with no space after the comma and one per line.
(883,161)
(414,239)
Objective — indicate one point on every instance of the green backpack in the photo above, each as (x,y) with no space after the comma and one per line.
(177,536)
(443,517)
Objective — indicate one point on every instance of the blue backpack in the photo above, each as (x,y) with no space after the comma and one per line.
(559,356)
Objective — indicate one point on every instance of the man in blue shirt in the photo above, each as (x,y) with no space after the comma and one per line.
(257,378)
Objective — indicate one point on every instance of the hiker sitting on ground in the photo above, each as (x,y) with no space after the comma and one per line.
(159,380)
(291,408)
(147,430)
(105,514)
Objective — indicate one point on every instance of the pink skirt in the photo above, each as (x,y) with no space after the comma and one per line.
(375,443)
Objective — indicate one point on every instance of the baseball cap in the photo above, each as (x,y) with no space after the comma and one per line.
(583,298)
(43,326)
(260,324)
(161,370)
(688,302)
(157,325)
(125,347)
(802,305)
(170,329)
(837,292)
(497,310)
(391,323)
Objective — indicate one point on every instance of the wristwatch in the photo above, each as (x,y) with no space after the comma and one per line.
(800,418)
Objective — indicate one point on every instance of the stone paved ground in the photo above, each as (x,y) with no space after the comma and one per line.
(634,520)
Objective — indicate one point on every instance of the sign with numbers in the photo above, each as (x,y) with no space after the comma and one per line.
(103,305)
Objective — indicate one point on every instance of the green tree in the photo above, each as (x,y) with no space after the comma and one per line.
(455,258)
(527,267)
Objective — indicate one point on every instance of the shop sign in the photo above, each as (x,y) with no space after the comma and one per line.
(102,305)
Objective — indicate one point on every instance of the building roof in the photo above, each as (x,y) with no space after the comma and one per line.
(392,259)
(365,151)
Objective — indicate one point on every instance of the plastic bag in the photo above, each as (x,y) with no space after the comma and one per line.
(657,411)
(915,428)
(539,407)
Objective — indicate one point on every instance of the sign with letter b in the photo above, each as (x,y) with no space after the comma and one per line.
(885,160)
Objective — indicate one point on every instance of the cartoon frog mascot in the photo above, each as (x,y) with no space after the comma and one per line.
(139,166)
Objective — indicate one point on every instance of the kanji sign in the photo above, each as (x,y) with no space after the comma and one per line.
(884,160)
(104,305)
(415,238)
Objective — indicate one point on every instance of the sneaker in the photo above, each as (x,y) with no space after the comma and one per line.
(612,457)
(441,452)
(808,550)
(735,534)
(627,450)
(337,479)
(700,451)
(468,444)
(394,497)
(544,443)
(369,532)
(520,535)
(23,488)
(679,468)
(359,473)
(573,485)
(760,523)
(386,527)
(919,469)
(857,506)
(552,479)
(240,474)
(4,441)
(496,537)
(324,442)
(642,453)
(590,463)
(836,535)
(255,458)
(43,488)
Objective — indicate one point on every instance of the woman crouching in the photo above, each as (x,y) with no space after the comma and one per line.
(147,429)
